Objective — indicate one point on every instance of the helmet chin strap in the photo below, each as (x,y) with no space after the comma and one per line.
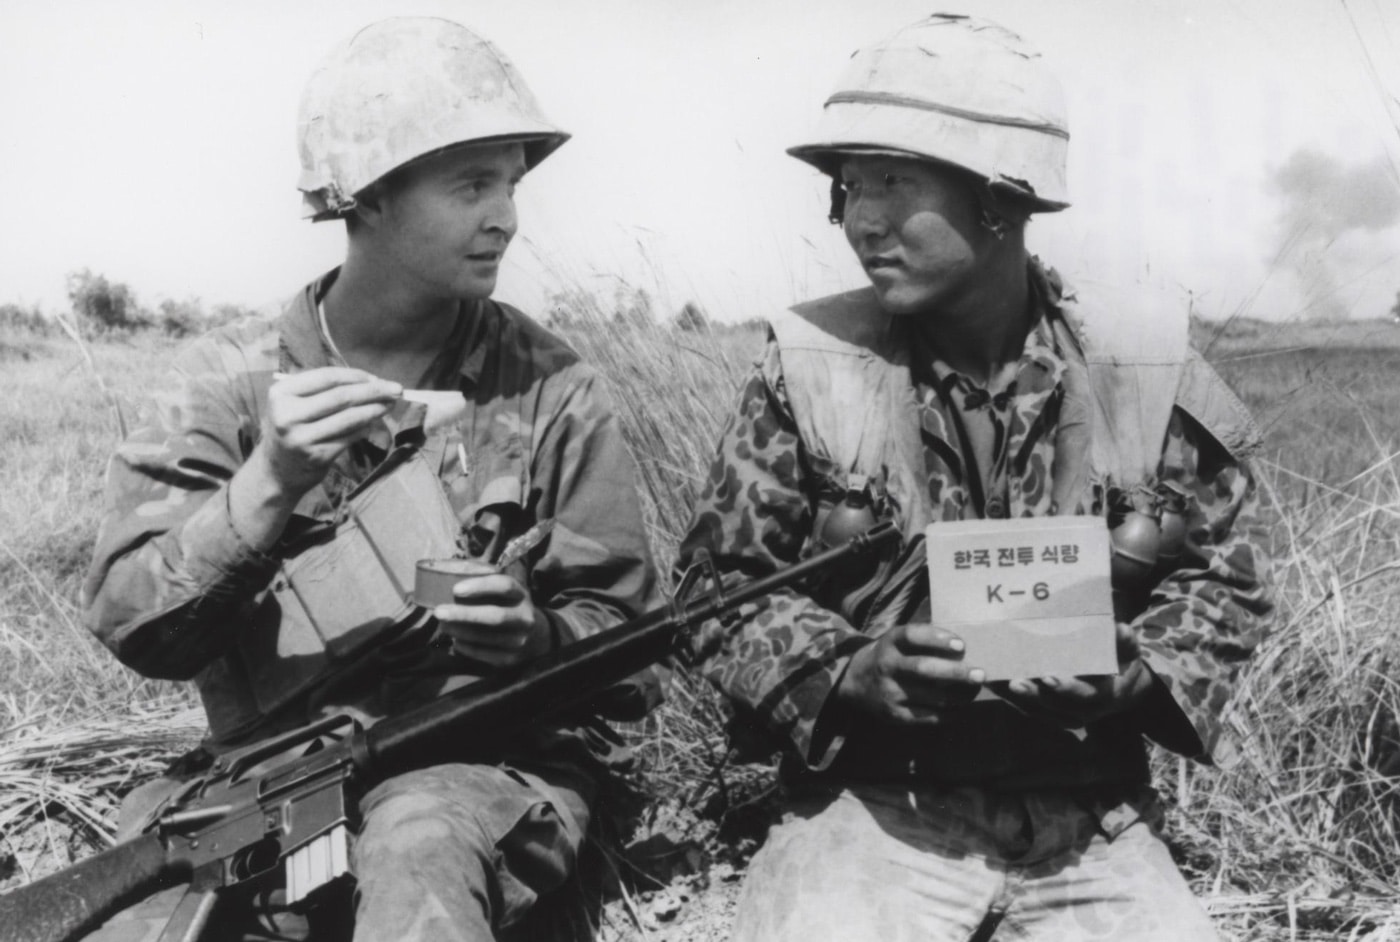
(837,214)
(995,223)
(993,218)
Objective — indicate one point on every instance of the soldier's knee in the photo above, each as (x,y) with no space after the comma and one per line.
(409,822)
(424,813)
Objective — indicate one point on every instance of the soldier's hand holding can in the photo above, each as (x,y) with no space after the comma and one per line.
(491,617)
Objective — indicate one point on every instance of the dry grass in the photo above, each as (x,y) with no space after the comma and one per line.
(1300,834)
(1296,841)
(81,770)
(59,429)
(672,391)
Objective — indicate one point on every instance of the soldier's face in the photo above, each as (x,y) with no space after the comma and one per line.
(447,219)
(915,228)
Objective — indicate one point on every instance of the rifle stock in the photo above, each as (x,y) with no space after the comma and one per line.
(59,906)
(235,816)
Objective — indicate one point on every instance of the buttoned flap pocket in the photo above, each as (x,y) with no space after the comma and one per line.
(495,472)
(338,595)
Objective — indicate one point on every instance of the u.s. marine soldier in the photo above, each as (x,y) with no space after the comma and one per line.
(967,382)
(261,530)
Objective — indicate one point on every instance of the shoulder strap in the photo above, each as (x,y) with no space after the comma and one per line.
(1134,345)
(1207,398)
(846,374)
(851,323)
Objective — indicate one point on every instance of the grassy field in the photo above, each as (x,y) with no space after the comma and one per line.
(1298,840)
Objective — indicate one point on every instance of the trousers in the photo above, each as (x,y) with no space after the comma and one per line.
(451,853)
(874,862)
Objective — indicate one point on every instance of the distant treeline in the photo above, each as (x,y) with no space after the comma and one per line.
(99,305)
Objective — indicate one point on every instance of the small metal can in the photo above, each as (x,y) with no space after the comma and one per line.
(434,578)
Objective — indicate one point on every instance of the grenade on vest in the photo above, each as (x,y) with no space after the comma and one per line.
(835,525)
(1151,534)
(1173,499)
(1135,540)
(1147,538)
(854,515)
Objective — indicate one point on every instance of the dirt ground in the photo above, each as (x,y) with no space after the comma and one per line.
(679,876)
(695,908)
(38,850)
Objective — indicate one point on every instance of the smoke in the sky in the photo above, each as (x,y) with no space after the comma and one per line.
(1325,200)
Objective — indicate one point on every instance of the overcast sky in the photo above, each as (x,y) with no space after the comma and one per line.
(1240,150)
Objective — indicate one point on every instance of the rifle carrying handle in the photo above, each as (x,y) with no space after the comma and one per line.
(64,904)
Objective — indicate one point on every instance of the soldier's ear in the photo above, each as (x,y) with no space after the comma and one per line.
(368,210)
(1005,204)
(363,215)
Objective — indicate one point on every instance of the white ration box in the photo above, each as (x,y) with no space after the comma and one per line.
(1030,597)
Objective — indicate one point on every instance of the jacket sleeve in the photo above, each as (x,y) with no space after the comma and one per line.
(1205,619)
(596,570)
(778,659)
(171,579)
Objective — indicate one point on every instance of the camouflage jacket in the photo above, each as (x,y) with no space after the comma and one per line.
(173,589)
(779,663)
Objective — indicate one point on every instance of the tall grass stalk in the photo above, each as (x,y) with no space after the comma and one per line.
(1310,807)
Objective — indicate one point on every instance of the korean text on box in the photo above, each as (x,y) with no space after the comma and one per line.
(1030,597)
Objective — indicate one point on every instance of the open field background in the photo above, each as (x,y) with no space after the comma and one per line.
(1297,841)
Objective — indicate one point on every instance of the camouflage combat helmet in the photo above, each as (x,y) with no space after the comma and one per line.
(954,89)
(403,88)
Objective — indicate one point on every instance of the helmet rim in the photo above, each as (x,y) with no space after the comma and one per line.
(953,90)
(403,88)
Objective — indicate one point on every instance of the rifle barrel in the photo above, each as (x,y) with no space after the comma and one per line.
(500,705)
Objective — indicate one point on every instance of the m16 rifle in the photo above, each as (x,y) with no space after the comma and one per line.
(256,815)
